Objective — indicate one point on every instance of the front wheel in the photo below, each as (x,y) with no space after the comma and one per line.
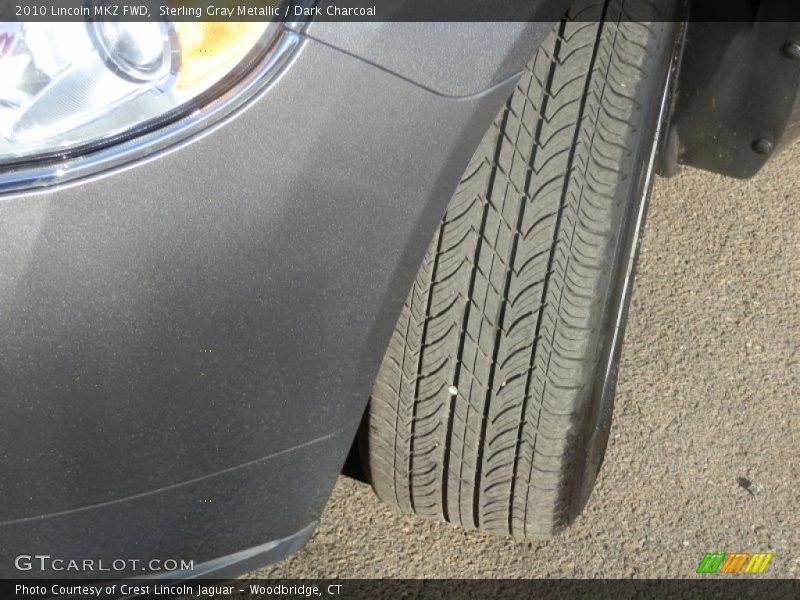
(493,404)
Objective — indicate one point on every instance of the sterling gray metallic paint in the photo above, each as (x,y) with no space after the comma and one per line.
(189,342)
(451,59)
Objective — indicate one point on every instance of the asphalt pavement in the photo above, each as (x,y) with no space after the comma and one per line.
(704,454)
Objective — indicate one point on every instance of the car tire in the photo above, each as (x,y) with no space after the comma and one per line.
(492,406)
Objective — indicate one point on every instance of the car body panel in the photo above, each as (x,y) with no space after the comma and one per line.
(451,59)
(190,342)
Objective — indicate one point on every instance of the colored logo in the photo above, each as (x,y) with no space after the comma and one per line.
(736,562)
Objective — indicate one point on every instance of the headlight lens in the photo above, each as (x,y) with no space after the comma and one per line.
(139,52)
(68,86)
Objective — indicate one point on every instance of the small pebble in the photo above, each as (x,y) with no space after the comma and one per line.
(751,487)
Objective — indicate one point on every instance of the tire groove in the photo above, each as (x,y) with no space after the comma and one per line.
(545,285)
(462,337)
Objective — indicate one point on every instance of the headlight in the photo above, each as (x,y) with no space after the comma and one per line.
(68,89)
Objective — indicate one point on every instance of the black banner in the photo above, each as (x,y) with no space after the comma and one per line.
(376,10)
(714,587)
